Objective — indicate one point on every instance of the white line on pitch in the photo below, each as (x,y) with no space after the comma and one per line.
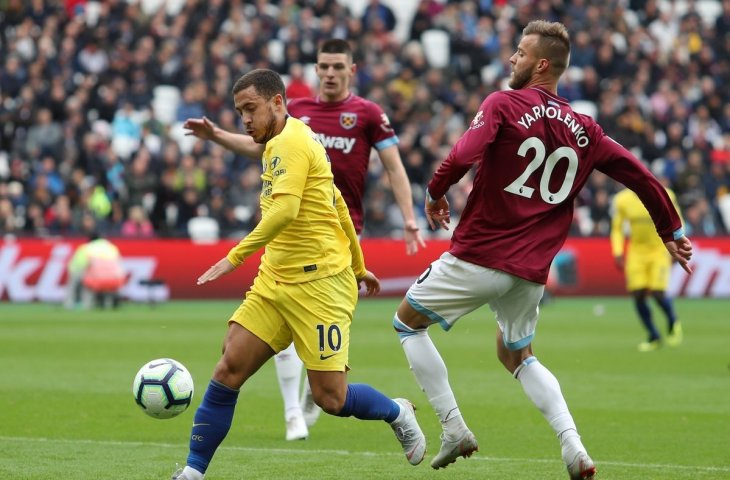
(116,443)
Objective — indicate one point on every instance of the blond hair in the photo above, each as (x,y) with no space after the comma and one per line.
(554,43)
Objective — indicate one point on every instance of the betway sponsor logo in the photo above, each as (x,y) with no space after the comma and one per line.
(337,143)
(16,274)
(710,275)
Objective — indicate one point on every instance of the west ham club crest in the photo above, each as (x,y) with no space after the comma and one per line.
(348,120)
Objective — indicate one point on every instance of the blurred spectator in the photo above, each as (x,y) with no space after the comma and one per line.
(89,98)
(137,225)
(12,76)
(45,136)
(378,14)
(126,131)
(8,222)
(297,86)
(190,106)
(93,59)
(189,206)
(140,180)
(699,221)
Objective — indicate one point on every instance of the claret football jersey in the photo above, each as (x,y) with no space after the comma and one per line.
(533,154)
(348,130)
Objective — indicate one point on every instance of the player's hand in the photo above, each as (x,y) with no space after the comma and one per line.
(412,236)
(372,284)
(619,261)
(437,213)
(202,128)
(219,269)
(681,251)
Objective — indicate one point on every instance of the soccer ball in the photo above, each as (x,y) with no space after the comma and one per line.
(163,388)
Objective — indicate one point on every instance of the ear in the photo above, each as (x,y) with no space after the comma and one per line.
(543,65)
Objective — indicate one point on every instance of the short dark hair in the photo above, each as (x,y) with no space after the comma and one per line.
(554,43)
(266,82)
(336,45)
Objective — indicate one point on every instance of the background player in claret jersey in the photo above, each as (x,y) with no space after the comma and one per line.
(349,127)
(647,266)
(306,284)
(532,155)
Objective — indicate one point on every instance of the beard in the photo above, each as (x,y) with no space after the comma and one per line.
(520,79)
(270,130)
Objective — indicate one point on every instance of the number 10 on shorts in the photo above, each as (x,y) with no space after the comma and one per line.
(333,337)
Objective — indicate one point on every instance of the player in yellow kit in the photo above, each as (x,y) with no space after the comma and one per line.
(306,288)
(646,264)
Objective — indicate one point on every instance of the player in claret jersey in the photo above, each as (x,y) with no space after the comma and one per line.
(349,127)
(532,155)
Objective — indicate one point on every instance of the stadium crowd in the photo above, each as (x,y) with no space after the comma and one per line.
(93,96)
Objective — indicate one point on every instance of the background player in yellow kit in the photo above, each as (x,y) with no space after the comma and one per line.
(646,264)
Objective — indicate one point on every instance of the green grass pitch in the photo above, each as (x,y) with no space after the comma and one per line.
(67,412)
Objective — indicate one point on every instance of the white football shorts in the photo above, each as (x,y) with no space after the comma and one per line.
(450,288)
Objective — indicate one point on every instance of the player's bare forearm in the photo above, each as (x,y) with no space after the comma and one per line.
(222,267)
(401,187)
(205,129)
(358,259)
(681,251)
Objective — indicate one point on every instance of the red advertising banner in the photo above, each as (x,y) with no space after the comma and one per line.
(35,270)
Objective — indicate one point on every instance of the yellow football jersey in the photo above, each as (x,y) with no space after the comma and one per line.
(313,245)
(627,209)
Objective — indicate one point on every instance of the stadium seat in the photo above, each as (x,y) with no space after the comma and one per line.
(436,46)
(276,51)
(310,74)
(203,229)
(575,74)
(124,147)
(166,99)
(150,7)
(174,7)
(185,142)
(490,73)
(586,107)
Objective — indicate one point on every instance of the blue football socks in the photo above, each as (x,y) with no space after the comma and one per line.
(668,308)
(211,424)
(366,403)
(642,307)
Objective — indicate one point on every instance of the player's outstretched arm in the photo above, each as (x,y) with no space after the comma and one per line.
(403,197)
(372,284)
(241,144)
(221,268)
(283,210)
(681,251)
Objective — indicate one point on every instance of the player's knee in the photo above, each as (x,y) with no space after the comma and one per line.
(330,402)
(658,295)
(411,318)
(228,374)
(512,359)
(640,295)
(508,360)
